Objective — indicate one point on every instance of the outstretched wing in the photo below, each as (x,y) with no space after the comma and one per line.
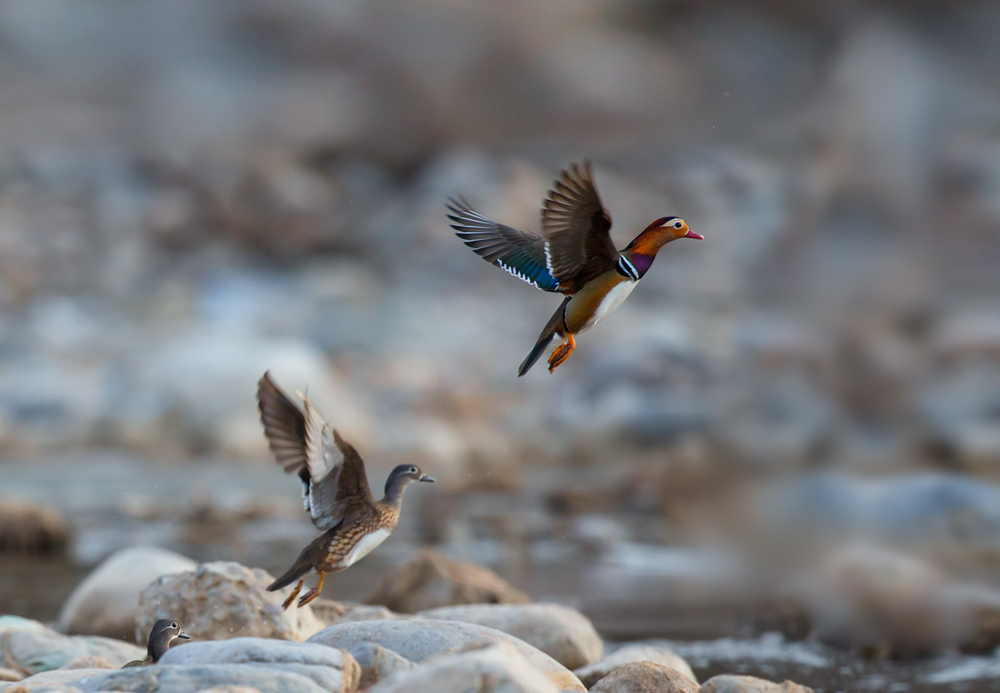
(335,485)
(522,254)
(576,228)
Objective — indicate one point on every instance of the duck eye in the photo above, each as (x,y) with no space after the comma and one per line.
(173,625)
(678,224)
(413,470)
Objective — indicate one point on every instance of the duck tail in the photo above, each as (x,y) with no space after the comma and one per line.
(554,326)
(293,574)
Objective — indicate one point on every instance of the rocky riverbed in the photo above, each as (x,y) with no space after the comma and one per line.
(865,609)
(240,636)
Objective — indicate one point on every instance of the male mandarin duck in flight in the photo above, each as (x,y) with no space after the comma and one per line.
(574,256)
(334,488)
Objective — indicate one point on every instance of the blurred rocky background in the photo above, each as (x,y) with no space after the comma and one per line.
(781,417)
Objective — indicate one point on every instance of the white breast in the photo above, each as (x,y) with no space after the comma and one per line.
(368,543)
(610,303)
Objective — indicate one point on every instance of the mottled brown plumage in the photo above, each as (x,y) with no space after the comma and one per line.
(336,492)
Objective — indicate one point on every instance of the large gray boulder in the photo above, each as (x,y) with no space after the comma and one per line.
(592,673)
(331,668)
(645,677)
(29,646)
(198,677)
(420,639)
(223,600)
(563,633)
(494,668)
(107,601)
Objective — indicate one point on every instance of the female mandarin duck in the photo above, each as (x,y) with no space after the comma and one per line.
(334,488)
(163,632)
(574,256)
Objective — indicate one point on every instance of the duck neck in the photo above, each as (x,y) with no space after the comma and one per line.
(393,495)
(644,247)
(640,260)
(156,649)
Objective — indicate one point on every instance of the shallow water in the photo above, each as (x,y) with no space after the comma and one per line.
(833,671)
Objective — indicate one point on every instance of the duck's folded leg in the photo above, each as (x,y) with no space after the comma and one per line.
(293,595)
(562,352)
(314,592)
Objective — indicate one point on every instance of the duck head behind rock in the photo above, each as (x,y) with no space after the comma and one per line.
(161,635)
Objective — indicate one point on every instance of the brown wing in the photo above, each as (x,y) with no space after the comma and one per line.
(575,225)
(335,485)
(284,425)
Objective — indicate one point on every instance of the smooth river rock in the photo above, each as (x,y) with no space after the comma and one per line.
(198,677)
(223,600)
(420,639)
(59,680)
(431,580)
(645,677)
(378,663)
(107,601)
(89,662)
(494,668)
(9,675)
(29,646)
(730,683)
(330,667)
(563,633)
(593,673)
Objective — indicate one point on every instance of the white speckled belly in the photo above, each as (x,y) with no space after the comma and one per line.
(610,303)
(368,543)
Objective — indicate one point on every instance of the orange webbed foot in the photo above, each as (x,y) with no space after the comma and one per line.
(291,598)
(562,353)
(313,593)
(308,597)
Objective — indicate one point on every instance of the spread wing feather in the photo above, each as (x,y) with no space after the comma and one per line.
(521,254)
(335,486)
(576,226)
